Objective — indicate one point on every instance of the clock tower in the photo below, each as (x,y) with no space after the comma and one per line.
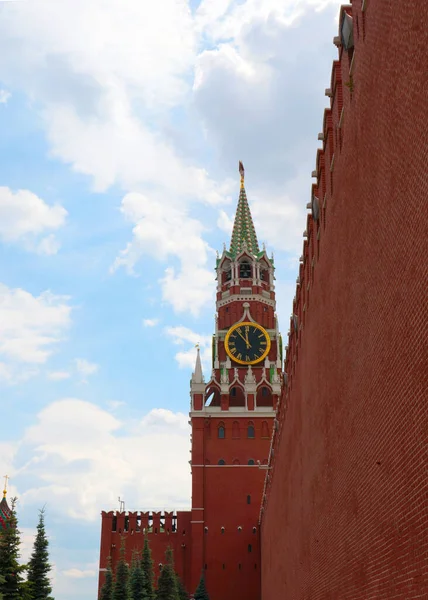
(232,416)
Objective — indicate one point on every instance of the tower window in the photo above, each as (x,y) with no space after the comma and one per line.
(221,461)
(245,270)
(265,391)
(221,432)
(250,431)
(251,461)
(228,275)
(248,499)
(233,391)
(114,524)
(265,429)
(249,548)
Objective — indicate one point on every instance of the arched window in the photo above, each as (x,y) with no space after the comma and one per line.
(250,431)
(221,461)
(251,461)
(248,499)
(245,270)
(221,432)
(265,430)
(264,396)
(249,548)
(212,397)
(236,434)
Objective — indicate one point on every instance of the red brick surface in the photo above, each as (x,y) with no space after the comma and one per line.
(346,513)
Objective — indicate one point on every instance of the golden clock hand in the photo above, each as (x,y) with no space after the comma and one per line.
(246,340)
(240,335)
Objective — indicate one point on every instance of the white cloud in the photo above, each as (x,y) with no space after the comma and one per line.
(24,216)
(75,573)
(115,404)
(225,222)
(77,449)
(84,367)
(150,322)
(31,326)
(59,375)
(162,233)
(48,245)
(4,96)
(183,336)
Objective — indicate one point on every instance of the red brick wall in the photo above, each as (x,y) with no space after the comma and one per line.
(346,514)
(179,541)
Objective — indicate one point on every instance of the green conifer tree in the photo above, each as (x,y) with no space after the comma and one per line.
(38,581)
(2,580)
(181,590)
(201,592)
(137,579)
(10,569)
(167,583)
(121,583)
(107,589)
(147,565)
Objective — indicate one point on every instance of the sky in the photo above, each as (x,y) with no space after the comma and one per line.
(121,128)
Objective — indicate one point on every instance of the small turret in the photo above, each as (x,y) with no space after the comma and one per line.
(4,507)
(197,375)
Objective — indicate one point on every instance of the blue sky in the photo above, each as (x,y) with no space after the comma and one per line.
(121,127)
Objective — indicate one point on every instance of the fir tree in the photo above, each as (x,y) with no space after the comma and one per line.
(121,583)
(137,579)
(39,584)
(167,583)
(2,580)
(107,589)
(181,591)
(10,569)
(147,565)
(201,593)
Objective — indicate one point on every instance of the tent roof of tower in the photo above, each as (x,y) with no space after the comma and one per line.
(244,234)
(4,513)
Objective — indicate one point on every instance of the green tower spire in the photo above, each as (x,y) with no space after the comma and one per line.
(244,233)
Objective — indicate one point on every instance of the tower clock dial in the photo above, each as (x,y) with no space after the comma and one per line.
(247,343)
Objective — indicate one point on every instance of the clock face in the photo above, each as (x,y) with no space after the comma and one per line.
(247,343)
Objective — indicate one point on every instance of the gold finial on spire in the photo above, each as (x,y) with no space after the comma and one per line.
(242,173)
(6,477)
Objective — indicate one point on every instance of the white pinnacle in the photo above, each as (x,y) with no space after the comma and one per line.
(197,376)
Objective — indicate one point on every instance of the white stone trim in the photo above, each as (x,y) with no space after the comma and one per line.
(233,412)
(242,298)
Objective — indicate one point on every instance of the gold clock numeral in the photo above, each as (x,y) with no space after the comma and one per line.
(239,356)
(263,343)
(262,335)
(233,350)
(247,358)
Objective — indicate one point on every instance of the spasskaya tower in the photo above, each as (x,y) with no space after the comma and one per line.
(232,417)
